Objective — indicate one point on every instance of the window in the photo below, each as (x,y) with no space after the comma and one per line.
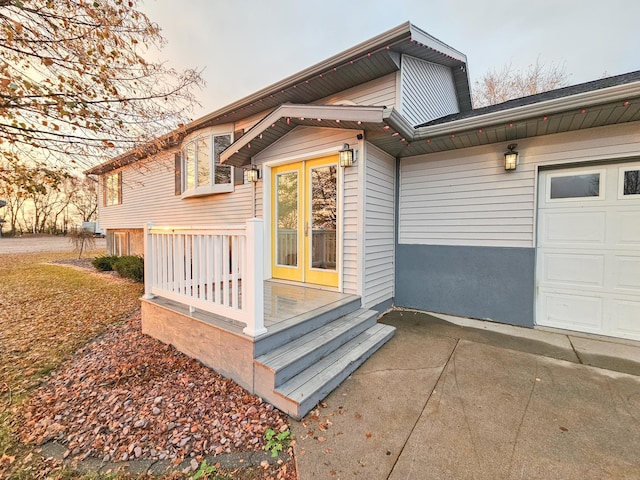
(630,182)
(113,189)
(572,186)
(202,173)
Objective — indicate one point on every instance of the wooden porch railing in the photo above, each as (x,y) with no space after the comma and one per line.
(215,269)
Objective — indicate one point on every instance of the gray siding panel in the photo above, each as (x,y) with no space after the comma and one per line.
(489,283)
(379,240)
(428,90)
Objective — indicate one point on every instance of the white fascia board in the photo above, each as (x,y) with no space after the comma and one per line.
(424,38)
(579,100)
(349,113)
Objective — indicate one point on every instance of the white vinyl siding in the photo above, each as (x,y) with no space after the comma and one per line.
(305,143)
(247,123)
(379,252)
(378,92)
(428,91)
(465,197)
(148,196)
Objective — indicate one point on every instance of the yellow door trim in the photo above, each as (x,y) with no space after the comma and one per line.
(293,270)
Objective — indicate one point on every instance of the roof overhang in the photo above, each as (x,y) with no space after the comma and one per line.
(609,106)
(369,60)
(388,129)
(287,117)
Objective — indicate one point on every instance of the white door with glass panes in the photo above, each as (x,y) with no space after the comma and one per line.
(588,249)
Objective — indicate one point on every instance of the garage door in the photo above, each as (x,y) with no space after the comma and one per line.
(588,256)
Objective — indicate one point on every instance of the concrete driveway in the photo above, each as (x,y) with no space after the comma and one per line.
(441,401)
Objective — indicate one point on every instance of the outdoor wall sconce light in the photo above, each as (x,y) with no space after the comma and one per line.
(511,157)
(346,156)
(253,174)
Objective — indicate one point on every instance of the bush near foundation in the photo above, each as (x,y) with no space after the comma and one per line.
(130,266)
(104,263)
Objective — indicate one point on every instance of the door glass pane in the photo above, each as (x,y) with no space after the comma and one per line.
(324,212)
(575,186)
(632,182)
(287,215)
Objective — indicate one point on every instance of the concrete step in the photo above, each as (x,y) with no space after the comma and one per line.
(288,360)
(295,327)
(300,394)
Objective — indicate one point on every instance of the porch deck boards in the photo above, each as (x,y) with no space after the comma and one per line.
(284,305)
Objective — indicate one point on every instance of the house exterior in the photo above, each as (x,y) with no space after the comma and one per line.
(426,217)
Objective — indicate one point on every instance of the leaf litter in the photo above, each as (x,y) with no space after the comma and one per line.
(123,396)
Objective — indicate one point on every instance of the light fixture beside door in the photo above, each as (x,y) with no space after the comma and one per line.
(346,156)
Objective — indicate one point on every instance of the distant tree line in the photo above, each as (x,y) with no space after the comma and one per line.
(46,201)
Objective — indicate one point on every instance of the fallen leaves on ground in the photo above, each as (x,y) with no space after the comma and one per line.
(129,396)
(47,311)
(124,396)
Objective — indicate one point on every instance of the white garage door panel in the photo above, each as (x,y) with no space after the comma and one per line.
(586,270)
(628,269)
(629,228)
(571,227)
(625,318)
(574,312)
(588,254)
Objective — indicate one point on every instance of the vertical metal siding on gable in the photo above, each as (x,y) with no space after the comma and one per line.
(379,253)
(465,197)
(148,196)
(427,92)
(304,141)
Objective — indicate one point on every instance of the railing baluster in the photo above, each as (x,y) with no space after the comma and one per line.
(213,269)
(235,253)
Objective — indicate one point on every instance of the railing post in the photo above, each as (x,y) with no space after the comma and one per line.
(148,262)
(253,278)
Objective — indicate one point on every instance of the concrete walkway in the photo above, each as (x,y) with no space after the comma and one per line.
(479,401)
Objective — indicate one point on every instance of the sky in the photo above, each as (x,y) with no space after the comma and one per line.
(245,45)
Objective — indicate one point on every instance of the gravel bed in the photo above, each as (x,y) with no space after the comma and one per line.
(127,396)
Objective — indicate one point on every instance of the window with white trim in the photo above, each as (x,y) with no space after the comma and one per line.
(202,173)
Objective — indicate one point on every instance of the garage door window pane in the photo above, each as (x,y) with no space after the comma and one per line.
(632,182)
(575,186)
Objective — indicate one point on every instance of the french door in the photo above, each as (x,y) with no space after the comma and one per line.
(305,212)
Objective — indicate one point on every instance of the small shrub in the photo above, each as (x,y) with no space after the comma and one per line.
(104,263)
(130,266)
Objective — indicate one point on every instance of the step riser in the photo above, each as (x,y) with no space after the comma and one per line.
(311,401)
(277,339)
(299,410)
(321,351)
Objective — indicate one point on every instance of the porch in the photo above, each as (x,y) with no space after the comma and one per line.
(291,344)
